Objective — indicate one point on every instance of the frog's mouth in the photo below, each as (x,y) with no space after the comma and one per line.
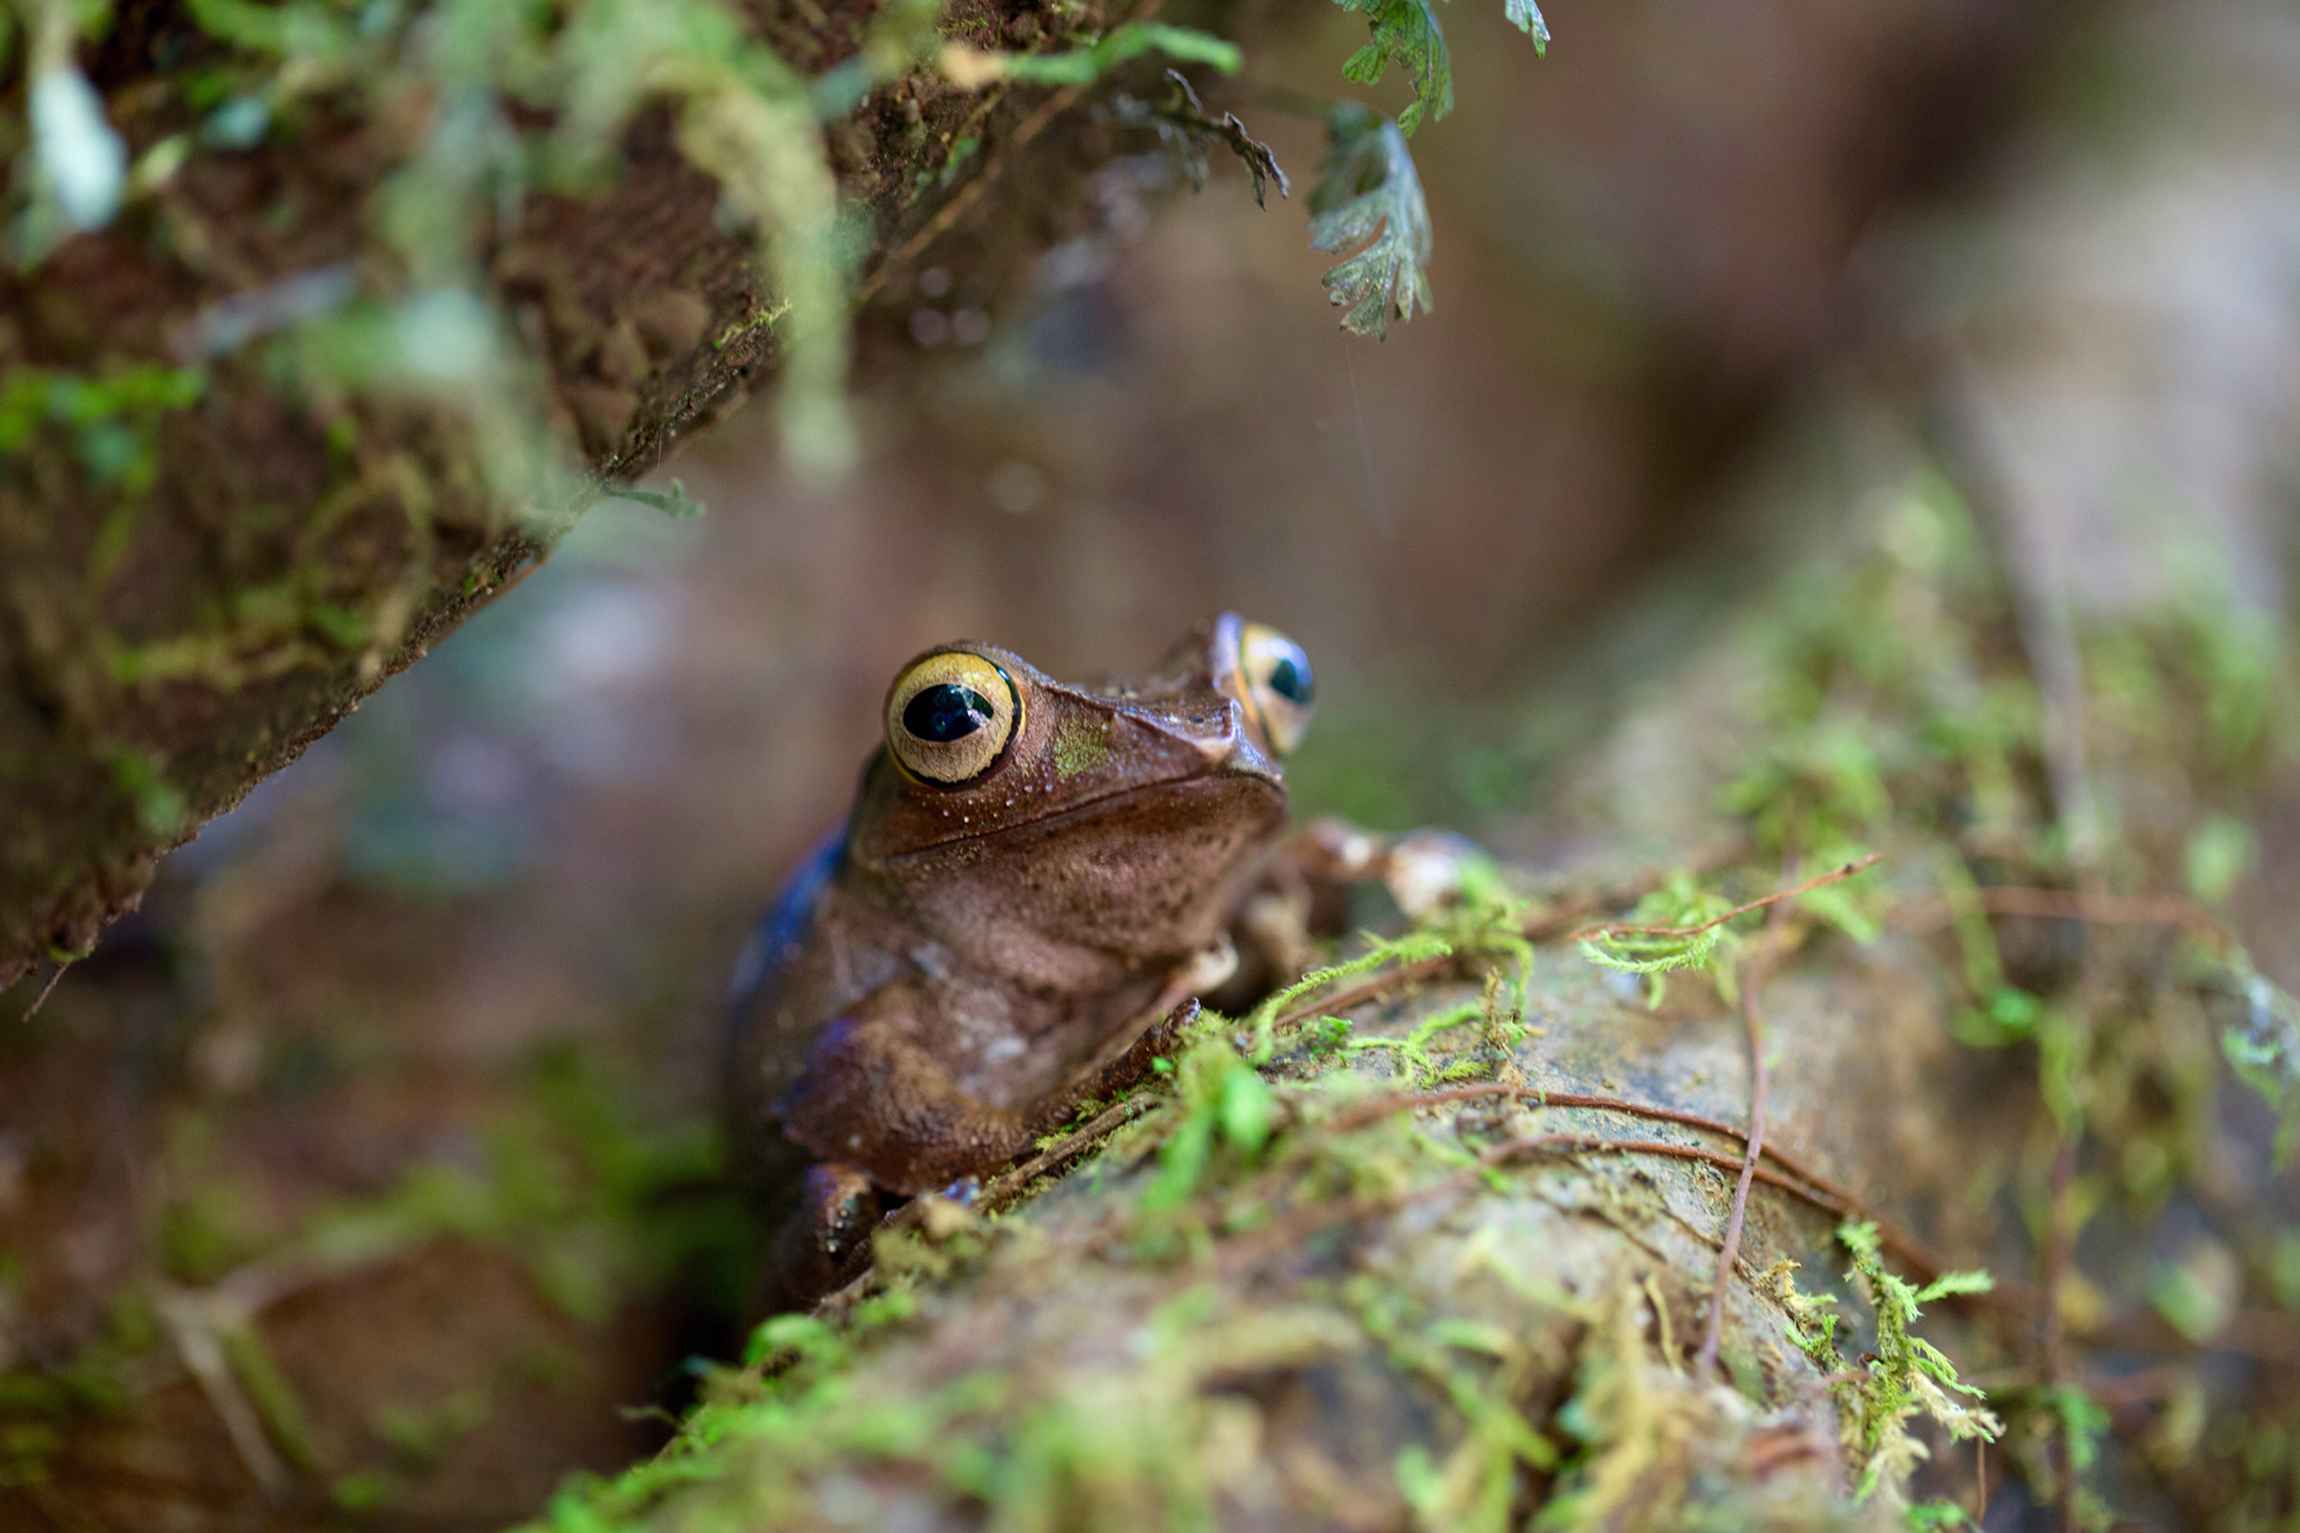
(1102,805)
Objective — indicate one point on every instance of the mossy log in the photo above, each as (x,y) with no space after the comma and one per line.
(1384,1317)
(1450,1258)
(206,558)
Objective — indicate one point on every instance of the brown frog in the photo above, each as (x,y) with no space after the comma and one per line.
(1034,877)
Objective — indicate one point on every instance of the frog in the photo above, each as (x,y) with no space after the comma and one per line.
(1035,882)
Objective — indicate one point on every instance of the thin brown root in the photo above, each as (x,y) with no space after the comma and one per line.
(1820,1190)
(1705,1360)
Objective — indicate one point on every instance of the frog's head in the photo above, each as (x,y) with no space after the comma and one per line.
(1126,806)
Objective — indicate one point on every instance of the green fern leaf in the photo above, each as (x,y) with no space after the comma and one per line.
(1370,201)
(1405,32)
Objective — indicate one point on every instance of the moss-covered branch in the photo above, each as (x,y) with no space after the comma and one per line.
(319,323)
(1409,1273)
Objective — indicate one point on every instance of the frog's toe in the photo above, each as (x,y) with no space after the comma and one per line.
(1427,869)
(1210,968)
(826,1237)
(1164,1037)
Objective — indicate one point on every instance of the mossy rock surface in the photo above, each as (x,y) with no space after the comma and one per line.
(1353,1326)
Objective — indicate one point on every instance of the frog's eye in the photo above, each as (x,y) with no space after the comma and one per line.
(950,716)
(1279,691)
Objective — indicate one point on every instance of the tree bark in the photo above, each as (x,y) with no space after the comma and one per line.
(178,625)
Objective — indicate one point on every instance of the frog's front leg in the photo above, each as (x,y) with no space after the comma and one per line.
(1306,892)
(1422,870)
(1130,1068)
(872,1098)
(881,1114)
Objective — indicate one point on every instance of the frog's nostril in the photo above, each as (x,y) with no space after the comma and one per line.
(1217,748)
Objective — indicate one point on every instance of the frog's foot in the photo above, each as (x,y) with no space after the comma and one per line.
(826,1239)
(1308,890)
(1426,870)
(1423,870)
(1277,932)
(1208,971)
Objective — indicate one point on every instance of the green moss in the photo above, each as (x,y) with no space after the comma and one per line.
(1617,1425)
(962,152)
(114,535)
(765,317)
(420,1434)
(272,1394)
(25,1450)
(262,631)
(1905,1377)
(2218,854)
(109,417)
(574,1184)
(1383,953)
(366,1490)
(1479,1369)
(209,1230)
(739,113)
(573,1187)
(1679,903)
(1083,66)
(1226,1110)
(161,807)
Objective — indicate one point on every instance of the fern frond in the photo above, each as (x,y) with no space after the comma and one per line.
(1526,17)
(1405,32)
(1370,201)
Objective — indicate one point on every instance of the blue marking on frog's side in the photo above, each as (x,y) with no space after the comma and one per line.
(785,924)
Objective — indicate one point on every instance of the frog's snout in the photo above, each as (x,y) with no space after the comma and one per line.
(1235,747)
(1219,748)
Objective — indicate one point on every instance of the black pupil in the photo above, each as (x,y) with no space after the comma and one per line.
(945,713)
(1290,679)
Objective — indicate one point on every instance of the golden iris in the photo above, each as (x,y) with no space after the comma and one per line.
(950,716)
(1279,690)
